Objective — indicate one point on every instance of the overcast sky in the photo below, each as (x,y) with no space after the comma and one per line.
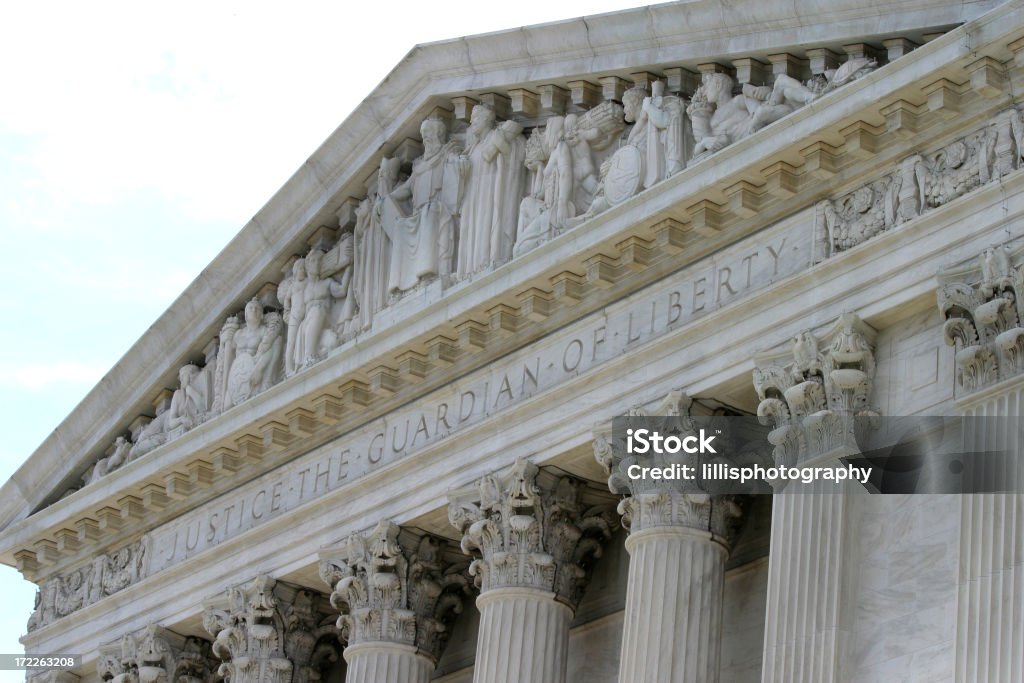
(136,139)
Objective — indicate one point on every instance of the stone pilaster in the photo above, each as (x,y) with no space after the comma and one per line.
(984,314)
(818,395)
(398,602)
(535,542)
(678,545)
(155,655)
(269,632)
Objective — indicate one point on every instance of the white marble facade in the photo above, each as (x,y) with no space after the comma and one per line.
(381,453)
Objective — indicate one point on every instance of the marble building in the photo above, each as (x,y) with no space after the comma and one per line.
(370,443)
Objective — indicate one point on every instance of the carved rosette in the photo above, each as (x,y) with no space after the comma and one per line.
(984,313)
(820,398)
(390,592)
(268,632)
(530,532)
(651,503)
(156,655)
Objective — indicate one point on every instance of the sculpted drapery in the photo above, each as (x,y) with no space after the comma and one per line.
(490,207)
(372,247)
(419,216)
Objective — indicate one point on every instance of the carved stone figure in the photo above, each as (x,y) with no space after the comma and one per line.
(419,216)
(105,465)
(372,248)
(653,151)
(327,303)
(250,355)
(496,155)
(851,70)
(290,293)
(720,119)
(189,406)
(568,179)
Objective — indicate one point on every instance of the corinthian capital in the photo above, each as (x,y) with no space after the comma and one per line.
(662,502)
(982,305)
(815,390)
(156,655)
(394,590)
(530,530)
(266,630)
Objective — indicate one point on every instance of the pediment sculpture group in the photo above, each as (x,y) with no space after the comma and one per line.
(477,197)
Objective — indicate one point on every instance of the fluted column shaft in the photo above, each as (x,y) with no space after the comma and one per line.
(523,638)
(807,632)
(386,663)
(673,618)
(990,603)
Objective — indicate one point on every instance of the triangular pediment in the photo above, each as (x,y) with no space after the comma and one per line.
(401,248)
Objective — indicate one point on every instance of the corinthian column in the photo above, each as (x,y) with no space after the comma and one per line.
(536,543)
(678,544)
(985,324)
(817,392)
(398,602)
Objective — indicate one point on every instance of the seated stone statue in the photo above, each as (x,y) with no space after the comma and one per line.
(186,410)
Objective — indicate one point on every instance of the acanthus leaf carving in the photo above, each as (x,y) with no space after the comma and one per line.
(530,534)
(395,590)
(983,319)
(819,398)
(266,631)
(651,503)
(156,655)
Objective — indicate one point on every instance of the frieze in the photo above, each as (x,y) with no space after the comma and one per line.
(107,574)
(922,182)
